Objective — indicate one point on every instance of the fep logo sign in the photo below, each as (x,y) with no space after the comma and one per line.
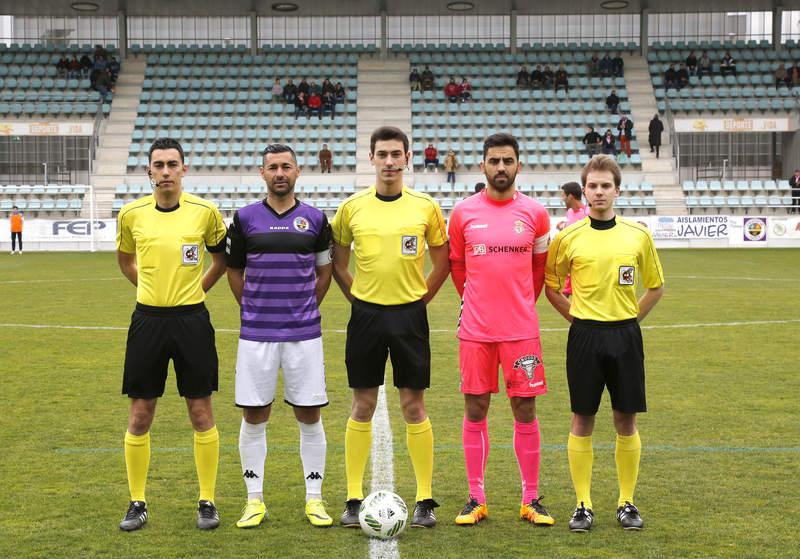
(755,229)
(77,227)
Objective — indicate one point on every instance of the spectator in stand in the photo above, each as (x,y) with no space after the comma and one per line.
(609,144)
(793,75)
(727,66)
(691,63)
(523,78)
(612,102)
(428,79)
(339,93)
(479,186)
(300,105)
(617,66)
(561,78)
(451,91)
(431,158)
(325,159)
(450,165)
(327,86)
(277,89)
(547,77)
(794,183)
(113,68)
(594,66)
(782,78)
(465,87)
(537,78)
(606,66)
(303,87)
(670,78)
(654,130)
(415,80)
(100,51)
(102,83)
(592,141)
(86,64)
(329,103)
(74,68)
(99,66)
(682,77)
(314,88)
(315,104)
(625,128)
(62,66)
(290,92)
(705,68)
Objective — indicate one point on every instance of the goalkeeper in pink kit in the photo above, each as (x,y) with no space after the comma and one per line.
(498,248)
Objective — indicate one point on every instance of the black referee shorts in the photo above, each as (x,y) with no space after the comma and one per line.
(158,334)
(377,331)
(601,354)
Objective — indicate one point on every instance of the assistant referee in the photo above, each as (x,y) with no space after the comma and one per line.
(161,244)
(389,226)
(605,256)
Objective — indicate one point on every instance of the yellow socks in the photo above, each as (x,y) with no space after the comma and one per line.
(581,456)
(206,459)
(137,462)
(419,439)
(357,442)
(627,454)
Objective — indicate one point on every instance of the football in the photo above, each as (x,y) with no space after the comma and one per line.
(383,514)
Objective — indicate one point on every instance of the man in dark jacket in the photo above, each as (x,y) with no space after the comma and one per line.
(625,129)
(592,142)
(654,134)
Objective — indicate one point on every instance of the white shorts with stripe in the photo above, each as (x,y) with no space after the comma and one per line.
(257,365)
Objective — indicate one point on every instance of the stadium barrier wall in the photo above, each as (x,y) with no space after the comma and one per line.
(685,231)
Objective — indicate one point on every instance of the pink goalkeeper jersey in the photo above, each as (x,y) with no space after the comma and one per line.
(497,257)
(576,215)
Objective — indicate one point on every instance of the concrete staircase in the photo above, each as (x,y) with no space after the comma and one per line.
(383,100)
(110,165)
(662,172)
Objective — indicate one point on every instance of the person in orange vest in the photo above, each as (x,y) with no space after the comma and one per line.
(16,230)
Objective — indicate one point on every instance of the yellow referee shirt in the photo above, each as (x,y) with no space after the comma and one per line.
(170,247)
(389,236)
(605,265)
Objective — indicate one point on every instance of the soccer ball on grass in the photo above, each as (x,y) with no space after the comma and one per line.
(383,514)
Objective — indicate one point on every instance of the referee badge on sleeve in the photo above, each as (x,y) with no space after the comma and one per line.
(626,275)
(410,245)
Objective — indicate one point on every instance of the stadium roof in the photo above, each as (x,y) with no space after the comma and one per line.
(370,7)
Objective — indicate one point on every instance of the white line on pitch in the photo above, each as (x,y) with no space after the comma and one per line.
(732,279)
(59,280)
(382,470)
(444,331)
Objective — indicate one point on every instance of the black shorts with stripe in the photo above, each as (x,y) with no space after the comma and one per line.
(158,334)
(606,354)
(400,332)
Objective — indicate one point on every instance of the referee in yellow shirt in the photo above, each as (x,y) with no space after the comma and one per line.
(605,256)
(161,244)
(389,226)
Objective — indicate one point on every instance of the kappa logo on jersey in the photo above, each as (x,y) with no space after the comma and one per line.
(528,364)
(301,224)
(626,275)
(410,244)
(519,227)
(478,250)
(191,254)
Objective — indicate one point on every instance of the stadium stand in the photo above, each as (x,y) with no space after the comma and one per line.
(51,200)
(737,196)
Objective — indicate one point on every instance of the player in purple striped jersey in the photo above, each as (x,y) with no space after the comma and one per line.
(279,269)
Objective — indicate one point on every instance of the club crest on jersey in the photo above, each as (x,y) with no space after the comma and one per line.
(519,227)
(191,254)
(301,224)
(409,244)
(626,275)
(479,250)
(527,364)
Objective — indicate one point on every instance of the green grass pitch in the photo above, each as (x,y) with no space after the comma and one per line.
(720,456)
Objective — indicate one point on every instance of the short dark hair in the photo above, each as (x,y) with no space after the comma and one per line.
(500,139)
(165,143)
(388,133)
(572,189)
(14,207)
(479,186)
(278,148)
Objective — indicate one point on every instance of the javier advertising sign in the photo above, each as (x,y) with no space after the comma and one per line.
(691,227)
(38,230)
